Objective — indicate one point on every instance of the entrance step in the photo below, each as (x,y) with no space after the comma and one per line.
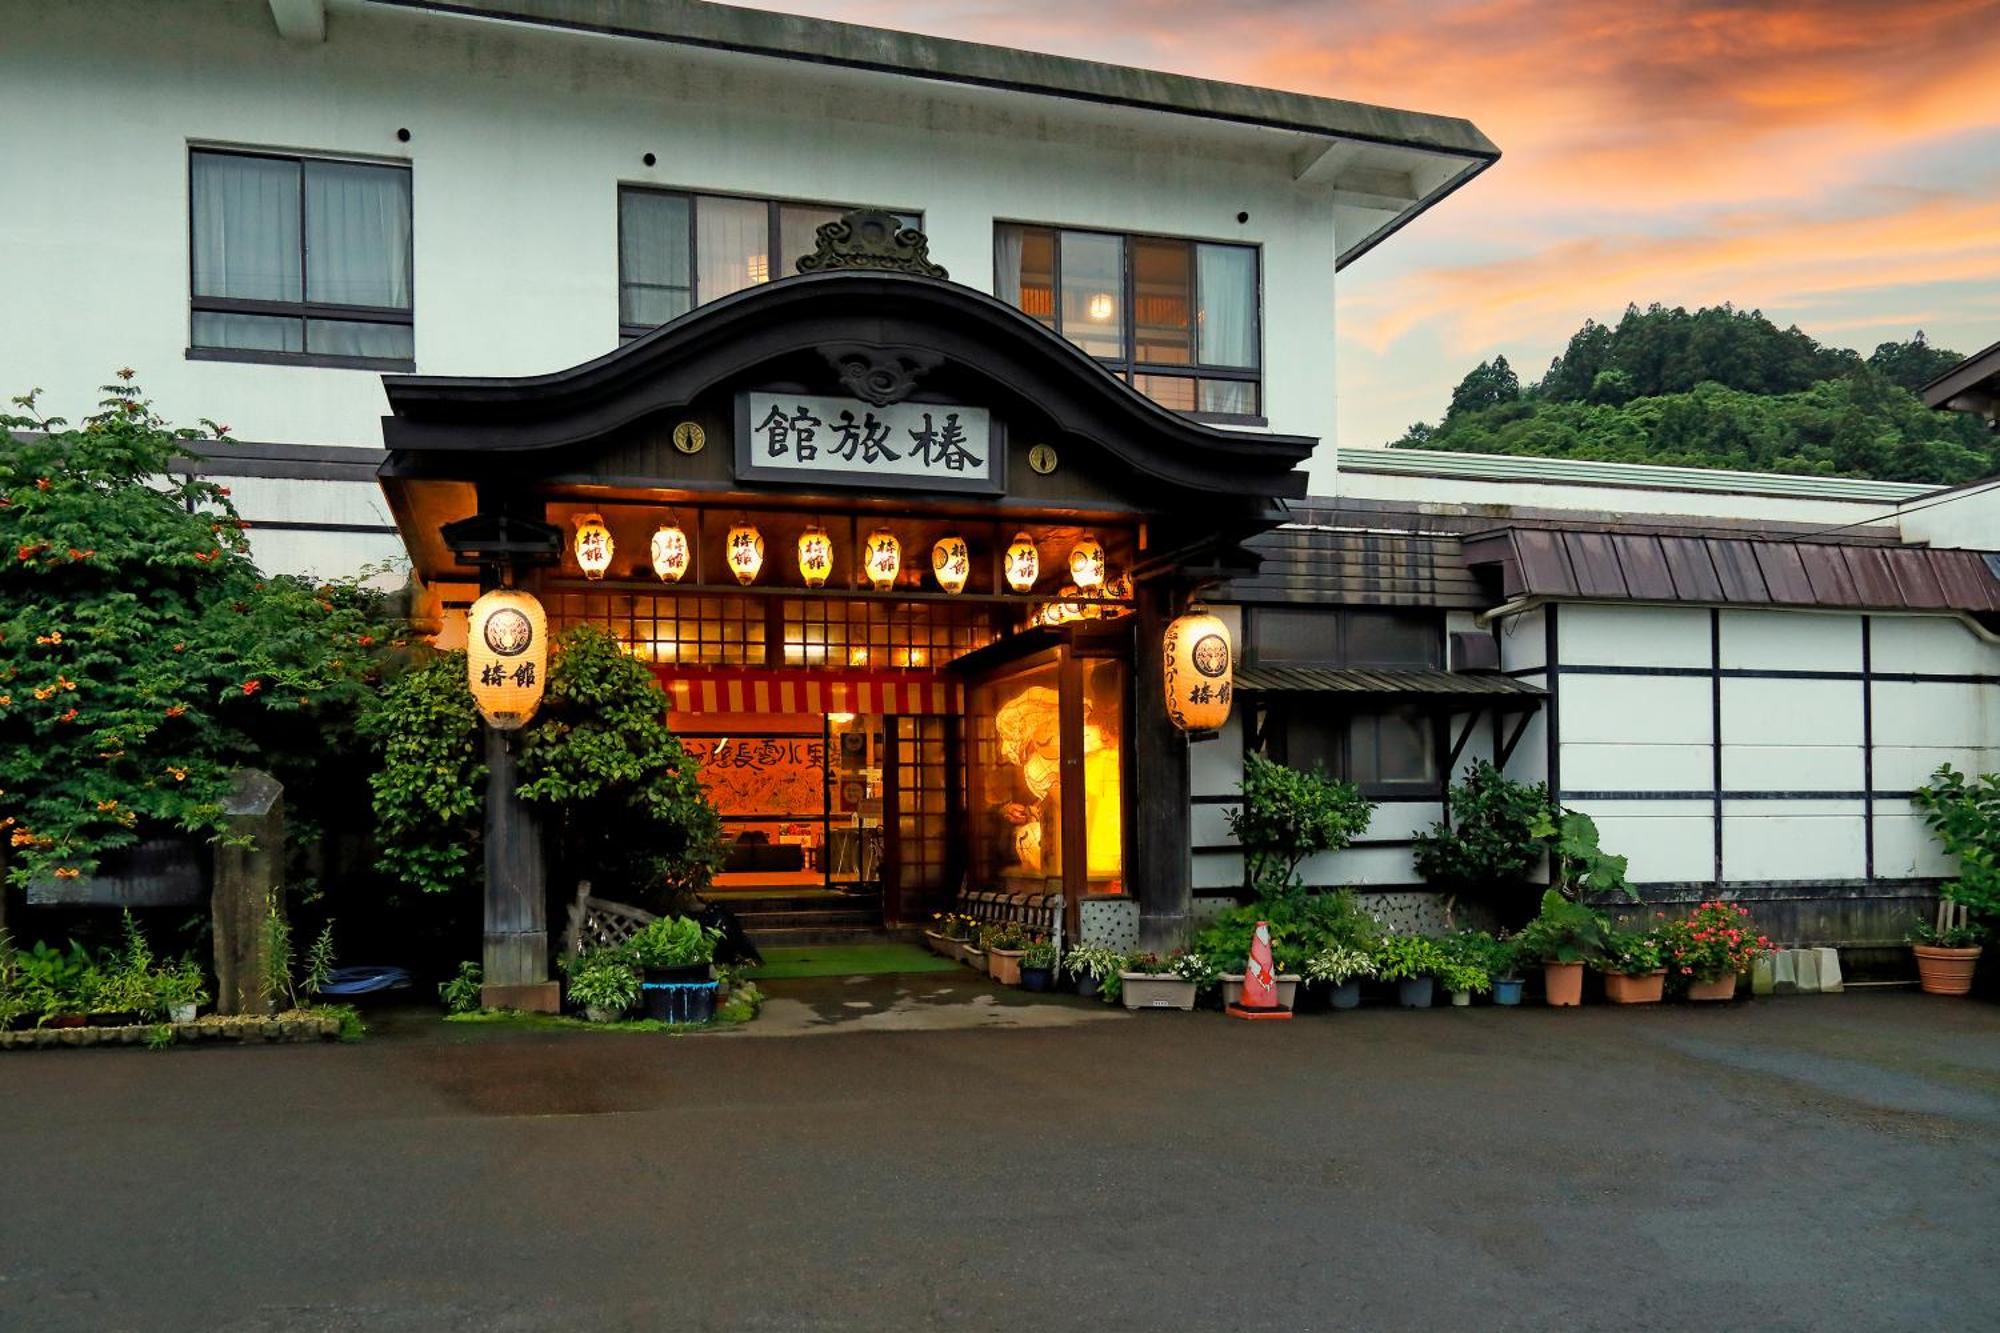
(757,922)
(795,937)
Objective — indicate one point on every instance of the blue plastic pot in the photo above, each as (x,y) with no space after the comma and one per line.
(1347,995)
(1414,992)
(679,1001)
(1035,978)
(1507,992)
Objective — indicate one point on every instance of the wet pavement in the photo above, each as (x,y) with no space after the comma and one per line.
(1808,1163)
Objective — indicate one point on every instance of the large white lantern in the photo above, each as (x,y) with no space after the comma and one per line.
(884,559)
(951,562)
(815,556)
(507,657)
(670,552)
(1200,671)
(1024,563)
(746,552)
(1086,565)
(593,545)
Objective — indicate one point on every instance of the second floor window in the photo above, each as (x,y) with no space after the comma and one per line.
(300,259)
(678,250)
(1176,318)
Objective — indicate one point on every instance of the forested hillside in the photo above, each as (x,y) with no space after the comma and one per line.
(1720,388)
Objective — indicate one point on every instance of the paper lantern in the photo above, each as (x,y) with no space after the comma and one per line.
(885,559)
(1086,564)
(593,545)
(1200,669)
(746,552)
(670,552)
(951,562)
(1024,563)
(815,556)
(507,657)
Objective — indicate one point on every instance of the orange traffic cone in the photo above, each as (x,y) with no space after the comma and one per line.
(1260,981)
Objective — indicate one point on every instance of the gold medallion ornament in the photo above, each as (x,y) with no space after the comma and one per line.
(689,437)
(1042,458)
(670,552)
(815,556)
(593,545)
(507,657)
(1024,563)
(1086,564)
(884,557)
(746,552)
(1200,671)
(951,562)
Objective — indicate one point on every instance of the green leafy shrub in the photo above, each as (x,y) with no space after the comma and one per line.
(1097,961)
(1337,964)
(1402,957)
(1497,833)
(1288,815)
(1564,931)
(671,941)
(461,994)
(1964,816)
(1006,935)
(1949,937)
(603,979)
(1633,953)
(1580,867)
(1040,953)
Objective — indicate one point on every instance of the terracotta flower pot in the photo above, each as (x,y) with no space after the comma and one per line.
(1722,988)
(1004,966)
(1645,988)
(1562,983)
(1946,971)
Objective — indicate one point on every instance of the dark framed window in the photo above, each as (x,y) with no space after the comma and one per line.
(300,260)
(678,249)
(1181,320)
(1310,636)
(1386,751)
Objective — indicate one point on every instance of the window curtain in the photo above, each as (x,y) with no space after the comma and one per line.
(732,245)
(1008,243)
(653,274)
(1226,277)
(246,227)
(357,235)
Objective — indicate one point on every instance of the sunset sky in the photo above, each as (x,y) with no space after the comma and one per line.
(1835,164)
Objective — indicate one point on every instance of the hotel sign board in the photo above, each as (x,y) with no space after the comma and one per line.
(793,437)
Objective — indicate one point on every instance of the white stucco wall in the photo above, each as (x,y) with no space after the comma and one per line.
(519,140)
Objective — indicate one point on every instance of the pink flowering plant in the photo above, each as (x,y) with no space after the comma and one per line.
(1715,940)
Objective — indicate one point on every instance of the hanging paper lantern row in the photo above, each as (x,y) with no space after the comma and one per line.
(884,559)
(746,552)
(507,657)
(1200,671)
(1024,563)
(815,556)
(670,552)
(1086,564)
(593,545)
(951,562)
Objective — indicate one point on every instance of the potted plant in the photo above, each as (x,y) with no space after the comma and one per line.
(1965,817)
(1413,963)
(1468,966)
(1341,968)
(1946,957)
(603,985)
(1563,937)
(673,949)
(1151,982)
(1004,945)
(1710,946)
(1497,833)
(1288,815)
(1091,965)
(1038,965)
(1634,968)
(180,990)
(937,935)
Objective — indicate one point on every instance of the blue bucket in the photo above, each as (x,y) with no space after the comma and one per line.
(679,1001)
(1507,992)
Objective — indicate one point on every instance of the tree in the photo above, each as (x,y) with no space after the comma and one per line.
(1288,815)
(1489,384)
(142,655)
(1911,364)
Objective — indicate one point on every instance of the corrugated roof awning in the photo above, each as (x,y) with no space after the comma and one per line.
(1483,690)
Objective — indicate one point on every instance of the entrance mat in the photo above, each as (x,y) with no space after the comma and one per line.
(850,960)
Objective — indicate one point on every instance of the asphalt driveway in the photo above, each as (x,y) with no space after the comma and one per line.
(1808,1163)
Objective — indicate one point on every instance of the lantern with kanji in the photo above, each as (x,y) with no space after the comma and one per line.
(507,657)
(746,552)
(593,545)
(1024,563)
(884,559)
(951,562)
(1086,564)
(1200,671)
(670,552)
(815,556)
